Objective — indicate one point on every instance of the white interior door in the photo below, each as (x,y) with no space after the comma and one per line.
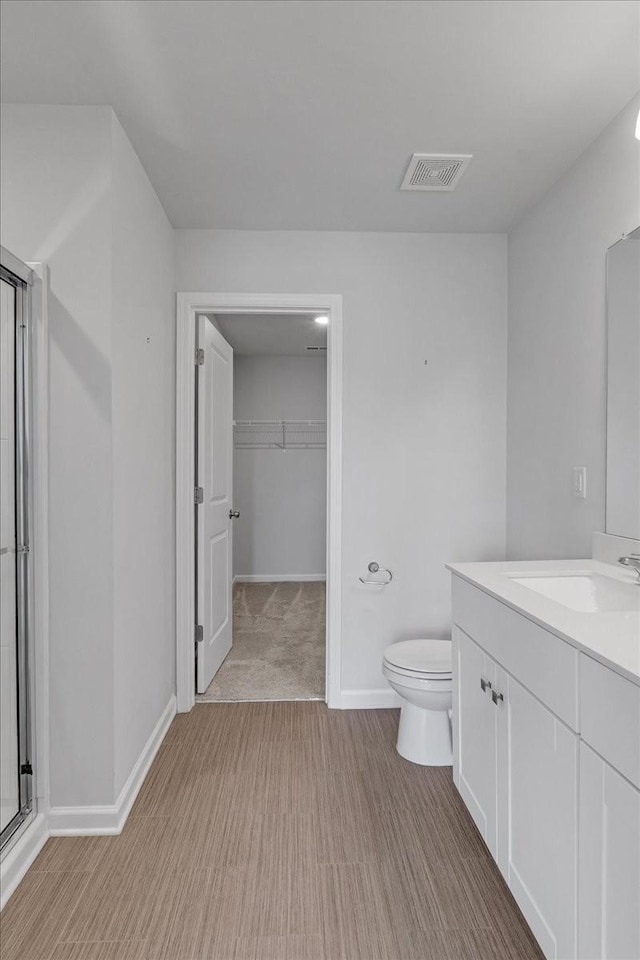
(215,477)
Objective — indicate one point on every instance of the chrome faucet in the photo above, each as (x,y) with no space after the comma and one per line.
(632,561)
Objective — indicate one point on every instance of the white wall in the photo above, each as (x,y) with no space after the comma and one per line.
(424,446)
(143,349)
(56,207)
(557,345)
(74,196)
(281,496)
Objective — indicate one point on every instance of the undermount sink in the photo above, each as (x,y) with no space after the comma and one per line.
(586,592)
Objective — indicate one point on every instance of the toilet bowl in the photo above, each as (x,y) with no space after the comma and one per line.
(420,672)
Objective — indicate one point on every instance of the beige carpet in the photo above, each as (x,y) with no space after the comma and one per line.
(278,650)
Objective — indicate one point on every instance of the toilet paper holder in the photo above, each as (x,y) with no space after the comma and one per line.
(374,567)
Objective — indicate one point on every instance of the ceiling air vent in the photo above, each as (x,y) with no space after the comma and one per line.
(435,171)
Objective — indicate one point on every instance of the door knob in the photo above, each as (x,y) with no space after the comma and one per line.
(234,514)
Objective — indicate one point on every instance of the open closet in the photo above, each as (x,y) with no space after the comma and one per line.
(279,509)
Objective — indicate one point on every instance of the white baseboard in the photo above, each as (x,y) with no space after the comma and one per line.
(19,858)
(279,577)
(368,699)
(89,820)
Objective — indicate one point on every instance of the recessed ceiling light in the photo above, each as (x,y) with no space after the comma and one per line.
(323,320)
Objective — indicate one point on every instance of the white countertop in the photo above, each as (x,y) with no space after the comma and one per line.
(612,638)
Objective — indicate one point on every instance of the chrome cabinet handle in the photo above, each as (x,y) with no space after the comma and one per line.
(234,514)
(485,684)
(496,696)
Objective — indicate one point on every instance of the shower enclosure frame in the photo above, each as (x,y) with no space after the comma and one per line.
(19,278)
(26,832)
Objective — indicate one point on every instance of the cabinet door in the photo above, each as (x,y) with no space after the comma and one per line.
(537,815)
(474,762)
(609,863)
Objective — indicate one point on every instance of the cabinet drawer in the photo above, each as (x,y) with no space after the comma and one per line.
(610,716)
(542,662)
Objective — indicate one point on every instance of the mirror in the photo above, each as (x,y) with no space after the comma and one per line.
(623,387)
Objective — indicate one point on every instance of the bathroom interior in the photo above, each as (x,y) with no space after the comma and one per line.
(320,480)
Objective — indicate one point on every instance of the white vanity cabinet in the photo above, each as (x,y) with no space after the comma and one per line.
(476,741)
(515,765)
(537,815)
(609,905)
(547,759)
(609,852)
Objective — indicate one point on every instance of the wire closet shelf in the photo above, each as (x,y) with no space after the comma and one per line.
(280,434)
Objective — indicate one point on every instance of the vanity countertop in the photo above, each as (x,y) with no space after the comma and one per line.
(613,638)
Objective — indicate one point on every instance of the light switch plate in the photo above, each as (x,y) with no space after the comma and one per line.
(579,485)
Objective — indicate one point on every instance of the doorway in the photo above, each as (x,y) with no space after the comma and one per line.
(275,516)
(202,321)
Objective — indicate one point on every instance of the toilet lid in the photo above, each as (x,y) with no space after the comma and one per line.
(421,656)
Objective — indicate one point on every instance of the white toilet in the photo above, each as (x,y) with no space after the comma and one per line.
(420,672)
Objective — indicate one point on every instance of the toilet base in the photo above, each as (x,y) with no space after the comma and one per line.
(424,736)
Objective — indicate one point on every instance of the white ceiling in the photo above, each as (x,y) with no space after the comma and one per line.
(272,334)
(302,114)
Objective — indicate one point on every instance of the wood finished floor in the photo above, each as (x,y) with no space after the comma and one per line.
(274,831)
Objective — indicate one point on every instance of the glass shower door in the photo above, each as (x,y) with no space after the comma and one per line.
(15,768)
(9,780)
